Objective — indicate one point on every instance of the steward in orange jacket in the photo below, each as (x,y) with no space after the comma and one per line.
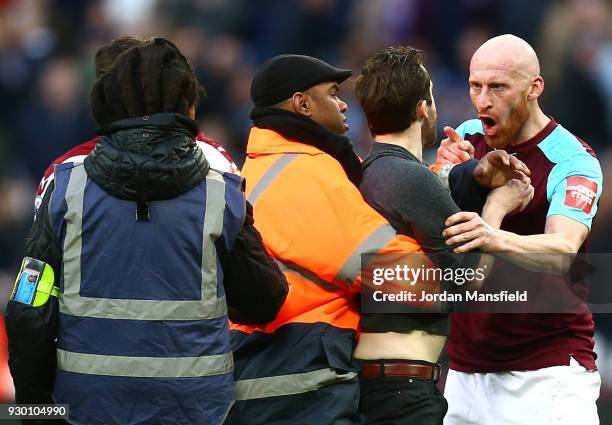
(301,179)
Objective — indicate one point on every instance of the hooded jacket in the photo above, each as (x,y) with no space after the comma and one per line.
(143,160)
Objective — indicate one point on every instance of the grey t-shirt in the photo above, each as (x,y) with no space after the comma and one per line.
(413,200)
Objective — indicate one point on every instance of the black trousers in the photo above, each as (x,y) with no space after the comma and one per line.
(401,401)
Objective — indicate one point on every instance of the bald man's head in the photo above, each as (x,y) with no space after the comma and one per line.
(507,52)
(505,85)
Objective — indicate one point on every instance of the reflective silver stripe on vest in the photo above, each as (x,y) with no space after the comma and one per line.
(269,176)
(208,307)
(298,383)
(375,241)
(73,241)
(212,229)
(304,274)
(145,367)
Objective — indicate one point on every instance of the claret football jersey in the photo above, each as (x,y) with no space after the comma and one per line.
(567,179)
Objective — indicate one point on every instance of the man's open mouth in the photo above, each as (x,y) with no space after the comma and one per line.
(489,125)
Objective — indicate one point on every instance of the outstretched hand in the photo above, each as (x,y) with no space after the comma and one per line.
(497,168)
(453,149)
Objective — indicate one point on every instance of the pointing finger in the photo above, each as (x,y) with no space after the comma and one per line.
(452,134)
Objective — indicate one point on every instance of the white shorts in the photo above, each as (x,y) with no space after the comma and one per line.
(558,395)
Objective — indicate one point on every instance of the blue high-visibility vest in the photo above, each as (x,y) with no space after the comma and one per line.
(143,328)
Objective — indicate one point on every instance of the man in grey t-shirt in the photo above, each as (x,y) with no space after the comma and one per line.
(400,351)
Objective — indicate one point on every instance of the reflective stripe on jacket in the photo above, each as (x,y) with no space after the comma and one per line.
(143,332)
(316,225)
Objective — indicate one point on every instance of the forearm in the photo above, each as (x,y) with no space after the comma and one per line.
(541,253)
(492,215)
(548,252)
(546,243)
(254,285)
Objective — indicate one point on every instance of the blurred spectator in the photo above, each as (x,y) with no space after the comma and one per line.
(575,42)
(55,118)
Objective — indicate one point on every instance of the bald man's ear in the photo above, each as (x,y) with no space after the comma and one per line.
(301,104)
(536,88)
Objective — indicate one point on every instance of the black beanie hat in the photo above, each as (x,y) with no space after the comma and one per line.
(281,76)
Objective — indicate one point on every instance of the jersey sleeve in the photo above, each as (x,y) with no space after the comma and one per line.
(216,155)
(46,179)
(473,126)
(76,154)
(574,187)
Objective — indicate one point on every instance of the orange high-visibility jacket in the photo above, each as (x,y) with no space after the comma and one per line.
(315,224)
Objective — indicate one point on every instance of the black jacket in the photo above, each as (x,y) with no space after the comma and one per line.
(141,160)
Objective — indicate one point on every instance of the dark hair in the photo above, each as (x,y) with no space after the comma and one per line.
(107,54)
(145,80)
(391,84)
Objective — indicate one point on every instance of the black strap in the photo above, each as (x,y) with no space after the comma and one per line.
(142,207)
(142,210)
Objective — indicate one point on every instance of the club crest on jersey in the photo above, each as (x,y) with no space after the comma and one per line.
(580,193)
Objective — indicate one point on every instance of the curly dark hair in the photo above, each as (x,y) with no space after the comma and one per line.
(391,84)
(145,80)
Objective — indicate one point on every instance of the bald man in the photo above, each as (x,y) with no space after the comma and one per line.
(530,368)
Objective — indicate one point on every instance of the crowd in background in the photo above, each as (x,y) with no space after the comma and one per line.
(46,70)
